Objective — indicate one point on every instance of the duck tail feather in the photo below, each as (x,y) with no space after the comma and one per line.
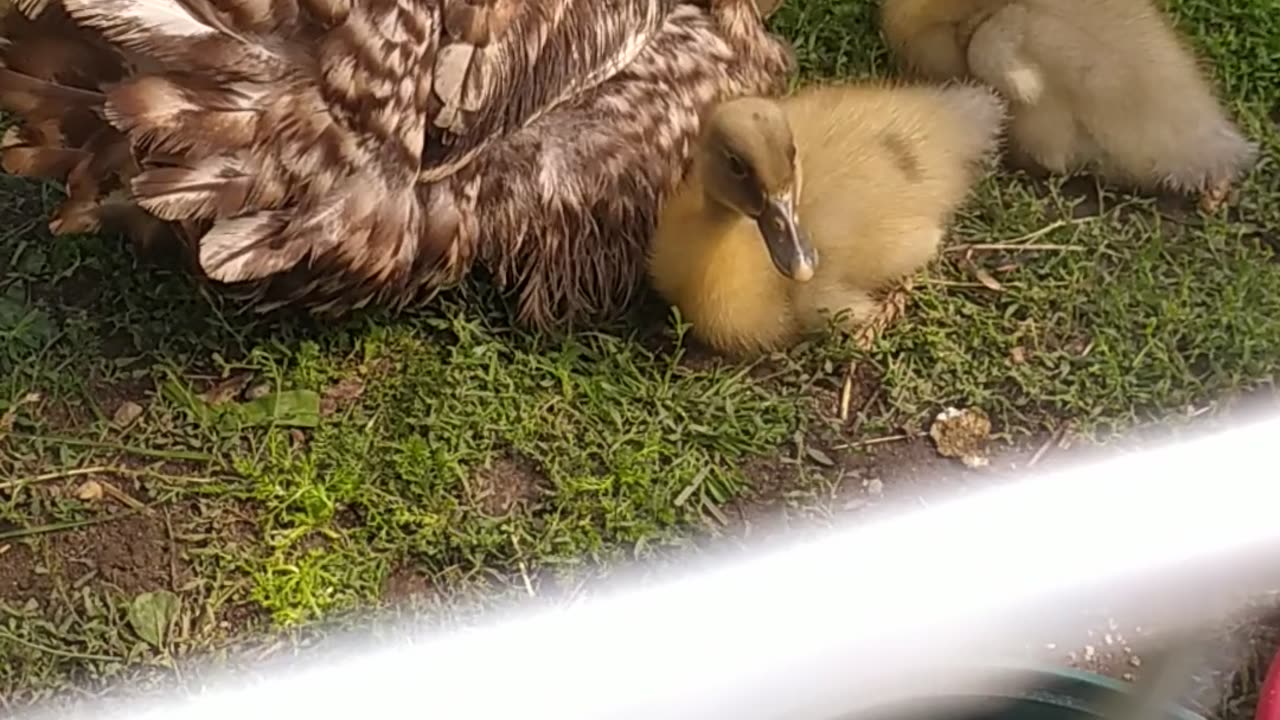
(194,35)
(176,113)
(211,188)
(365,236)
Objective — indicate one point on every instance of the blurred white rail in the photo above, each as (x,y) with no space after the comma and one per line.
(837,622)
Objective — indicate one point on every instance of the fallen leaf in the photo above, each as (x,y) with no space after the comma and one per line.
(152,614)
(819,457)
(962,434)
(343,393)
(89,490)
(227,389)
(127,413)
(988,281)
(290,408)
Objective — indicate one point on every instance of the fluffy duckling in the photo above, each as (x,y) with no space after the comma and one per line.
(803,206)
(1101,85)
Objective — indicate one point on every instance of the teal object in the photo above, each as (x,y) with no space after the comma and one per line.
(1050,694)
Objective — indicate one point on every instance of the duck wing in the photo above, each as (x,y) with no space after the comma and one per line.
(563,209)
(334,153)
(292,128)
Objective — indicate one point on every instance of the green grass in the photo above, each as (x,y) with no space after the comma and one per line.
(448,453)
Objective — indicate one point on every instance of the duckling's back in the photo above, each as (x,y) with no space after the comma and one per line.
(884,168)
(1112,83)
(928,37)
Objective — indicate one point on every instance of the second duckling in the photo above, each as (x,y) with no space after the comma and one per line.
(1103,85)
(804,206)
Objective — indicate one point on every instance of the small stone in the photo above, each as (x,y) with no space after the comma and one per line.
(875,487)
(126,414)
(1108,639)
(89,490)
(1089,652)
(1127,677)
(1135,661)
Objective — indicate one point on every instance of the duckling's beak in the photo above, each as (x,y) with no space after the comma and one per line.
(788,245)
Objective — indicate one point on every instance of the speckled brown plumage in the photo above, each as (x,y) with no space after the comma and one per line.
(335,153)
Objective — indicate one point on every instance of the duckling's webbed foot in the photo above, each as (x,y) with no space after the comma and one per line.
(888,310)
(1215,196)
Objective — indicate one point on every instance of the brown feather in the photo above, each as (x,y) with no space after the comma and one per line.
(21,157)
(337,153)
(213,189)
(40,99)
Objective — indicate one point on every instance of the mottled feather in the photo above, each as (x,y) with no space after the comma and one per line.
(336,153)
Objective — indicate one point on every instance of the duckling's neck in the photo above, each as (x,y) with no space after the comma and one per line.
(720,219)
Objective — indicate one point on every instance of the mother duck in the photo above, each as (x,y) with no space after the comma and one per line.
(330,154)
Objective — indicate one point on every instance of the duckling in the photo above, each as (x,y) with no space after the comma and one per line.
(804,206)
(1102,85)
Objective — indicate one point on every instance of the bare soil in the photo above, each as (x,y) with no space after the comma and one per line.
(509,481)
(131,554)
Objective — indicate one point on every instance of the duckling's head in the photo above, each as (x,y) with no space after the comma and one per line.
(749,166)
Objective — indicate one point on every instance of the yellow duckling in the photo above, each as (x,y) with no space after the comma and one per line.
(804,206)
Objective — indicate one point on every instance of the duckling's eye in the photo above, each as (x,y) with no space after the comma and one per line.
(737,167)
